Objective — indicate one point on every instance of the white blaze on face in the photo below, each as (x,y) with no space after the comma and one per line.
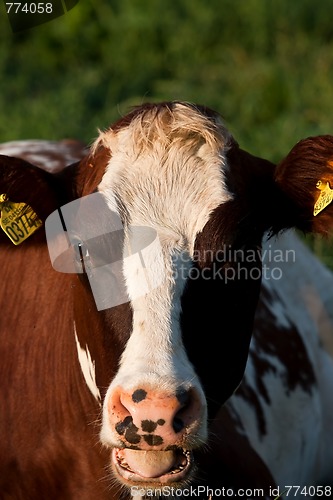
(87,367)
(167,172)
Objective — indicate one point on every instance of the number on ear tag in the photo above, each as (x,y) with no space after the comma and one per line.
(325,197)
(18,220)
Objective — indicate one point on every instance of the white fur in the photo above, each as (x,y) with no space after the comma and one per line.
(87,367)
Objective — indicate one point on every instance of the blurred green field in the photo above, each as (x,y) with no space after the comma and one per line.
(265,65)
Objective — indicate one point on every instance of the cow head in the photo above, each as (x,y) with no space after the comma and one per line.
(164,358)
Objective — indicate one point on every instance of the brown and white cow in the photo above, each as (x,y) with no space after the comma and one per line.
(149,395)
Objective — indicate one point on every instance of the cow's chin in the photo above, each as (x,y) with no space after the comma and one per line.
(152,469)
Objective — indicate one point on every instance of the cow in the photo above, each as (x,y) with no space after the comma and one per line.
(144,393)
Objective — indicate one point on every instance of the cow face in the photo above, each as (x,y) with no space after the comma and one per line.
(155,411)
(175,169)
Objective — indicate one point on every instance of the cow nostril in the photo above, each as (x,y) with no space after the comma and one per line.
(185,399)
(123,425)
(183,396)
(178,424)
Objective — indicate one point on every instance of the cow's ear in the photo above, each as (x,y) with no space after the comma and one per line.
(305,177)
(22,182)
(91,169)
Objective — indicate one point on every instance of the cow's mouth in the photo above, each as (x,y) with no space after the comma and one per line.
(151,467)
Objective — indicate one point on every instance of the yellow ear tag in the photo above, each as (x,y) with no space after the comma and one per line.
(18,220)
(325,197)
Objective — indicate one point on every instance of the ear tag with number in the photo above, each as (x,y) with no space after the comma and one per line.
(18,220)
(325,197)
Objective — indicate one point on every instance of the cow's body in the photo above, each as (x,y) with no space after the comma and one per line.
(48,446)
(48,436)
(285,400)
(154,361)
(51,156)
